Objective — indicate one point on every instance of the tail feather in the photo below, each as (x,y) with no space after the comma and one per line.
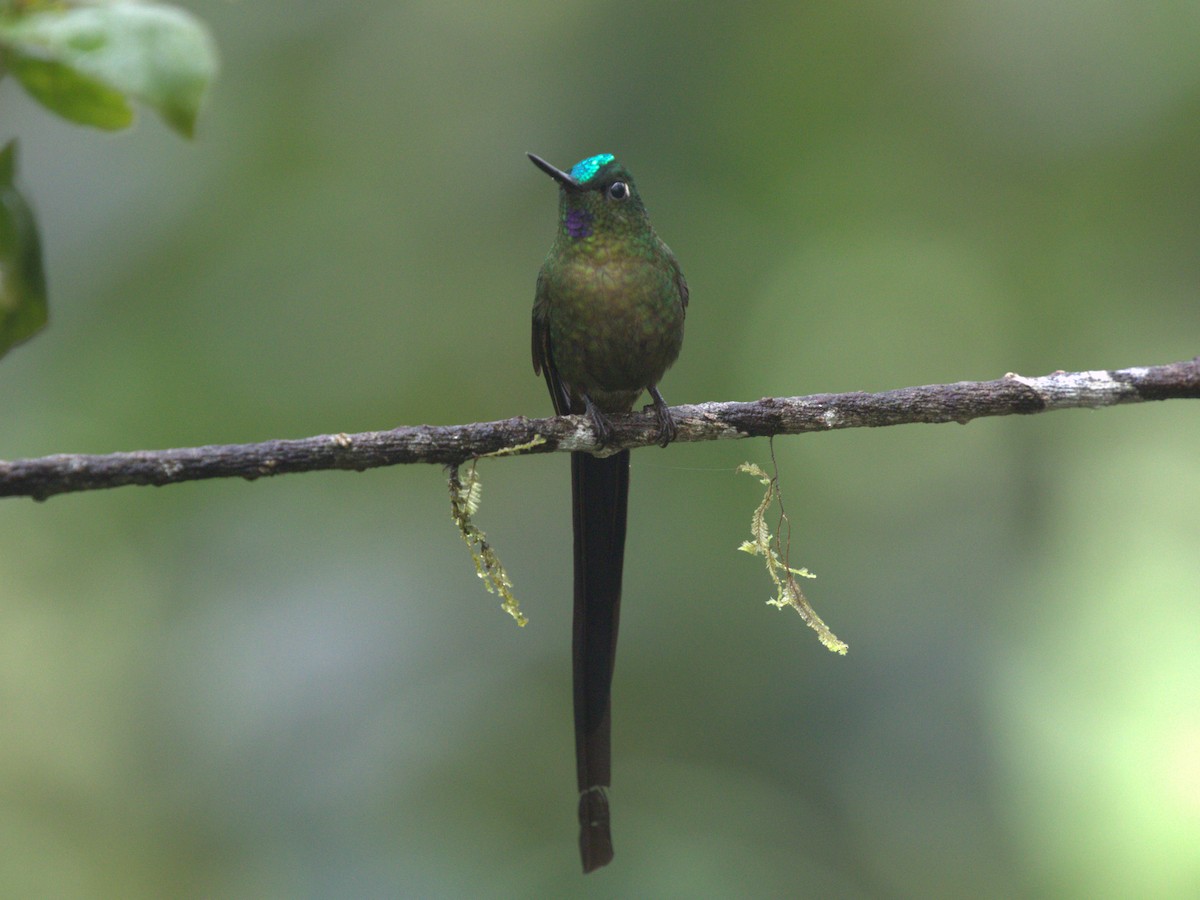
(600,493)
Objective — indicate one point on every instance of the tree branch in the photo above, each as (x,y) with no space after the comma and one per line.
(449,444)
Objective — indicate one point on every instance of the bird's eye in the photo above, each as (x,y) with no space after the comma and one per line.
(618,190)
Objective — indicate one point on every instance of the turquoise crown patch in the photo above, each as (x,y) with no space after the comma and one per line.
(585,169)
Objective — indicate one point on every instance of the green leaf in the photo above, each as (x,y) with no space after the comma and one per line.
(22,279)
(91,55)
(76,97)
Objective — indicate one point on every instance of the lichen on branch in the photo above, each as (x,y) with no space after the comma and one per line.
(464,503)
(775,550)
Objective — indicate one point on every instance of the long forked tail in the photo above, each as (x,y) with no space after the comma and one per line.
(600,501)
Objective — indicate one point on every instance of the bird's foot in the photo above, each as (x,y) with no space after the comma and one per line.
(600,422)
(666,425)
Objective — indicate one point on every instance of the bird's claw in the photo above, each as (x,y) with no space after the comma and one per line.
(600,423)
(662,412)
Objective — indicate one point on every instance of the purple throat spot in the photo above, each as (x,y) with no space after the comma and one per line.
(579,223)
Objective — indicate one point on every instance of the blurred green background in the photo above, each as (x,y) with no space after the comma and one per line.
(298,688)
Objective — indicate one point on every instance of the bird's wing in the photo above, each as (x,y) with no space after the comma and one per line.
(543,352)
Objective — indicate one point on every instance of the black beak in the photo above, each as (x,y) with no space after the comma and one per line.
(557,174)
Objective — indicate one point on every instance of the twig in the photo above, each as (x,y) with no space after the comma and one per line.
(451,444)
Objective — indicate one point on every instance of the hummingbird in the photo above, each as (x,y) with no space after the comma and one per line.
(607,324)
